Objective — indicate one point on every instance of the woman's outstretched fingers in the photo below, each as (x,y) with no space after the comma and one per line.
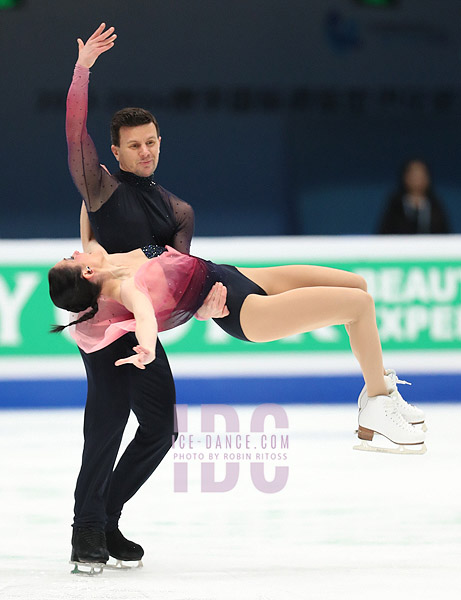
(141,350)
(97,44)
(97,32)
(137,359)
(106,33)
(134,360)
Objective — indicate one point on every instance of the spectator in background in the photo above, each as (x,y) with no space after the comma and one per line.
(414,207)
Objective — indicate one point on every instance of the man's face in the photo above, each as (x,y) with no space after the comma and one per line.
(139,149)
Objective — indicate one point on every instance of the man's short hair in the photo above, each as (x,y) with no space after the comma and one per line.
(130,117)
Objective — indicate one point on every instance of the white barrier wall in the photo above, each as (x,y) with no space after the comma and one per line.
(416,283)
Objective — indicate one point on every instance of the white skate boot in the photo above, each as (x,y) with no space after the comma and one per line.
(381,415)
(412,414)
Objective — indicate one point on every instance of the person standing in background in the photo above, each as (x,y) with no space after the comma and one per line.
(414,207)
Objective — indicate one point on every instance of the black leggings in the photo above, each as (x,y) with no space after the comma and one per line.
(112,391)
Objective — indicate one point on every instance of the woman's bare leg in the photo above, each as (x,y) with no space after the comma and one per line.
(268,318)
(275,280)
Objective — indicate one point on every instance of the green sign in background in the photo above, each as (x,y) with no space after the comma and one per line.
(418,306)
(9,3)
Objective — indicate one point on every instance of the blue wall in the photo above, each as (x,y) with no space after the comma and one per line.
(251,390)
(277,117)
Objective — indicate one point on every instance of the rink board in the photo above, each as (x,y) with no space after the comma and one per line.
(415,281)
(66,393)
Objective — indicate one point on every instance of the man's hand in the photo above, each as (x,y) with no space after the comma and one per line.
(214,305)
(99,42)
(143,357)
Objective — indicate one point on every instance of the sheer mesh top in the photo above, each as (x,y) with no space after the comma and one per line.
(125,211)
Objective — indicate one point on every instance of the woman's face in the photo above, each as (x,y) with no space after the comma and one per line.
(416,178)
(83,259)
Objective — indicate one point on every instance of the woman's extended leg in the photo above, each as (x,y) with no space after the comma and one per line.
(302,309)
(275,280)
(267,318)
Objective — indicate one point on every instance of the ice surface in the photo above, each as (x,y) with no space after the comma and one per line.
(347,525)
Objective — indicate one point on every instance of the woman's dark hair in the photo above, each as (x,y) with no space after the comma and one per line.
(71,291)
(130,117)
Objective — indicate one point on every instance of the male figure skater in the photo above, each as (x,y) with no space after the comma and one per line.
(126,210)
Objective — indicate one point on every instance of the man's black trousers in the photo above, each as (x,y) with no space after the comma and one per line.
(113,391)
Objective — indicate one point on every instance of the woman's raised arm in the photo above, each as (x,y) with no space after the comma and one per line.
(94,183)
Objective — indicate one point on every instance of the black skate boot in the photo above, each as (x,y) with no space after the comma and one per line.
(89,549)
(122,549)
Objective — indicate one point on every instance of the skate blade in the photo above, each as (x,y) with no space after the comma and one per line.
(121,566)
(398,449)
(80,568)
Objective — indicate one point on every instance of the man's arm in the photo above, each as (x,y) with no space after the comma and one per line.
(184,215)
(94,184)
(89,244)
(214,305)
(86,233)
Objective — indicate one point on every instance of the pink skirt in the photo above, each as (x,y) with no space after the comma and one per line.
(176,285)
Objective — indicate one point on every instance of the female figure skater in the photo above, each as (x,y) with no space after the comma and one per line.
(155,288)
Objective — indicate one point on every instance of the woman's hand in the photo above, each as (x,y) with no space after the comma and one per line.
(99,42)
(214,305)
(143,357)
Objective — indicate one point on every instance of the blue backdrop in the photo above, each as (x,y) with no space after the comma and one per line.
(277,117)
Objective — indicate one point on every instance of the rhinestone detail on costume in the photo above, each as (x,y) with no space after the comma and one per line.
(152,250)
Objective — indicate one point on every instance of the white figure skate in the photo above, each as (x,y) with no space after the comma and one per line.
(381,415)
(412,414)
